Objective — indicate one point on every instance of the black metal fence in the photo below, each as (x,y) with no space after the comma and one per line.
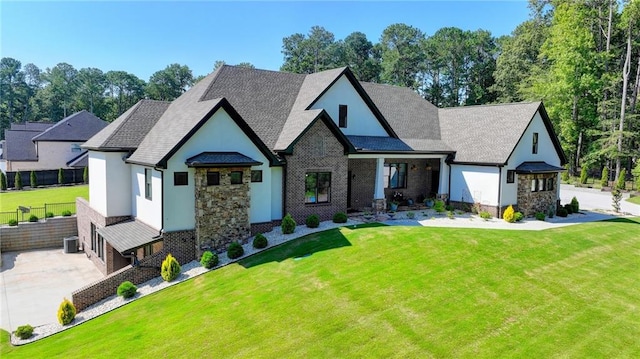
(23,214)
(46,177)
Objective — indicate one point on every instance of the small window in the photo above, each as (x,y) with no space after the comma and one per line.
(511,176)
(147,183)
(256,176)
(148,250)
(236,177)
(534,185)
(180,178)
(542,185)
(213,178)
(534,150)
(75,148)
(317,187)
(550,184)
(342,116)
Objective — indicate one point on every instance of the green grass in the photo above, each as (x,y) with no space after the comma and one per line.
(9,201)
(634,200)
(404,292)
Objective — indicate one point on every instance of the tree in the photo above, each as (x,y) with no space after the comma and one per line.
(33,180)
(123,90)
(63,85)
(12,90)
(91,88)
(170,83)
(60,176)
(17,181)
(604,178)
(360,56)
(401,55)
(3,181)
(306,54)
(85,175)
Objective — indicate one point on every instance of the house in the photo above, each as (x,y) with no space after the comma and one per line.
(35,146)
(243,147)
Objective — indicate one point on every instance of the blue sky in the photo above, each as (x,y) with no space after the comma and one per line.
(143,37)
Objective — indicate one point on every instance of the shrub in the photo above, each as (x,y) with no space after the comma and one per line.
(17,182)
(60,176)
(260,241)
(24,331)
(66,213)
(518,216)
(616,197)
(451,215)
(562,212)
(209,259)
(235,250)
(3,181)
(565,174)
(636,174)
(604,177)
(540,216)
(33,218)
(66,312)
(170,269)
(439,206)
(126,289)
(622,180)
(485,215)
(575,205)
(48,215)
(340,217)
(448,207)
(313,221)
(33,180)
(85,175)
(551,211)
(411,215)
(569,208)
(288,224)
(583,175)
(13,222)
(509,214)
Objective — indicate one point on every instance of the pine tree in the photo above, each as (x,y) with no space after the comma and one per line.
(33,180)
(61,176)
(3,181)
(17,182)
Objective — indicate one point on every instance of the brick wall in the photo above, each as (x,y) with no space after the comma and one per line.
(316,151)
(49,233)
(363,177)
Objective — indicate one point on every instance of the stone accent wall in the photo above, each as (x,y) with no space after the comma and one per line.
(48,233)
(531,202)
(316,151)
(222,211)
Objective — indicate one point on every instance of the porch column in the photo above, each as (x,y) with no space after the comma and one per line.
(379,202)
(443,190)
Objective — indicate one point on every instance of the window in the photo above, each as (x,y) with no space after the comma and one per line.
(147,250)
(213,178)
(542,185)
(317,187)
(256,176)
(317,149)
(342,116)
(75,148)
(550,184)
(180,178)
(147,183)
(236,177)
(511,176)
(93,237)
(100,247)
(534,185)
(534,150)
(395,175)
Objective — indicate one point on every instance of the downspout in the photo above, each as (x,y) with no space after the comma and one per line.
(500,191)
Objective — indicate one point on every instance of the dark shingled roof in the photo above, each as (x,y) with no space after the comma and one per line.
(78,127)
(221,159)
(18,145)
(80,161)
(31,126)
(378,143)
(485,134)
(128,130)
(128,236)
(537,167)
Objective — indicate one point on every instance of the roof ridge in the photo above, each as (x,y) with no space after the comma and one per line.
(491,105)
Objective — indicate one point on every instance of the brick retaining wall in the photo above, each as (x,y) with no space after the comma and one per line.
(49,233)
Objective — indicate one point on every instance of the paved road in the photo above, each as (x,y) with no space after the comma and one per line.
(594,199)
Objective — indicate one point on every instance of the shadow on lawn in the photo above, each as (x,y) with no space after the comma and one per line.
(306,246)
(622,220)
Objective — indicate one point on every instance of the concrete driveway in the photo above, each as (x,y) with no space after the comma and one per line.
(594,199)
(33,284)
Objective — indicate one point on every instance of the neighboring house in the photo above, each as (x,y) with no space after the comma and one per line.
(35,146)
(243,147)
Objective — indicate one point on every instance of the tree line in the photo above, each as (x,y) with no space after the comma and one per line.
(582,58)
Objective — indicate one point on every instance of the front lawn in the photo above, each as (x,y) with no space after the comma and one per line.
(404,292)
(634,200)
(9,201)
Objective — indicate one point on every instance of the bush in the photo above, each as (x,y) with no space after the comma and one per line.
(313,221)
(170,269)
(209,259)
(583,175)
(616,197)
(540,216)
(565,174)
(448,208)
(235,250)
(575,205)
(569,208)
(33,180)
(636,174)
(562,212)
(85,175)
(518,216)
(411,215)
(551,212)
(24,332)
(127,290)
(66,312)
(288,224)
(439,206)
(13,222)
(485,215)
(48,215)
(17,182)
(60,176)
(3,181)
(604,177)
(33,218)
(621,185)
(340,217)
(66,213)
(509,214)
(260,241)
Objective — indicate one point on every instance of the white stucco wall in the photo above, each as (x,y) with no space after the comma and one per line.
(146,210)
(109,183)
(475,184)
(220,133)
(360,119)
(276,193)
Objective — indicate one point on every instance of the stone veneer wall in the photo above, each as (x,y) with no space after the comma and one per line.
(47,233)
(317,150)
(531,202)
(222,211)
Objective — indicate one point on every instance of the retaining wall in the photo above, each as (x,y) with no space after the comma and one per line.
(49,233)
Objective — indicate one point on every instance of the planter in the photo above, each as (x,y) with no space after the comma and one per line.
(393,206)
(429,203)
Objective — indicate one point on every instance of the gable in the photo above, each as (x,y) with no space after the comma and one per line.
(361,120)
(546,151)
